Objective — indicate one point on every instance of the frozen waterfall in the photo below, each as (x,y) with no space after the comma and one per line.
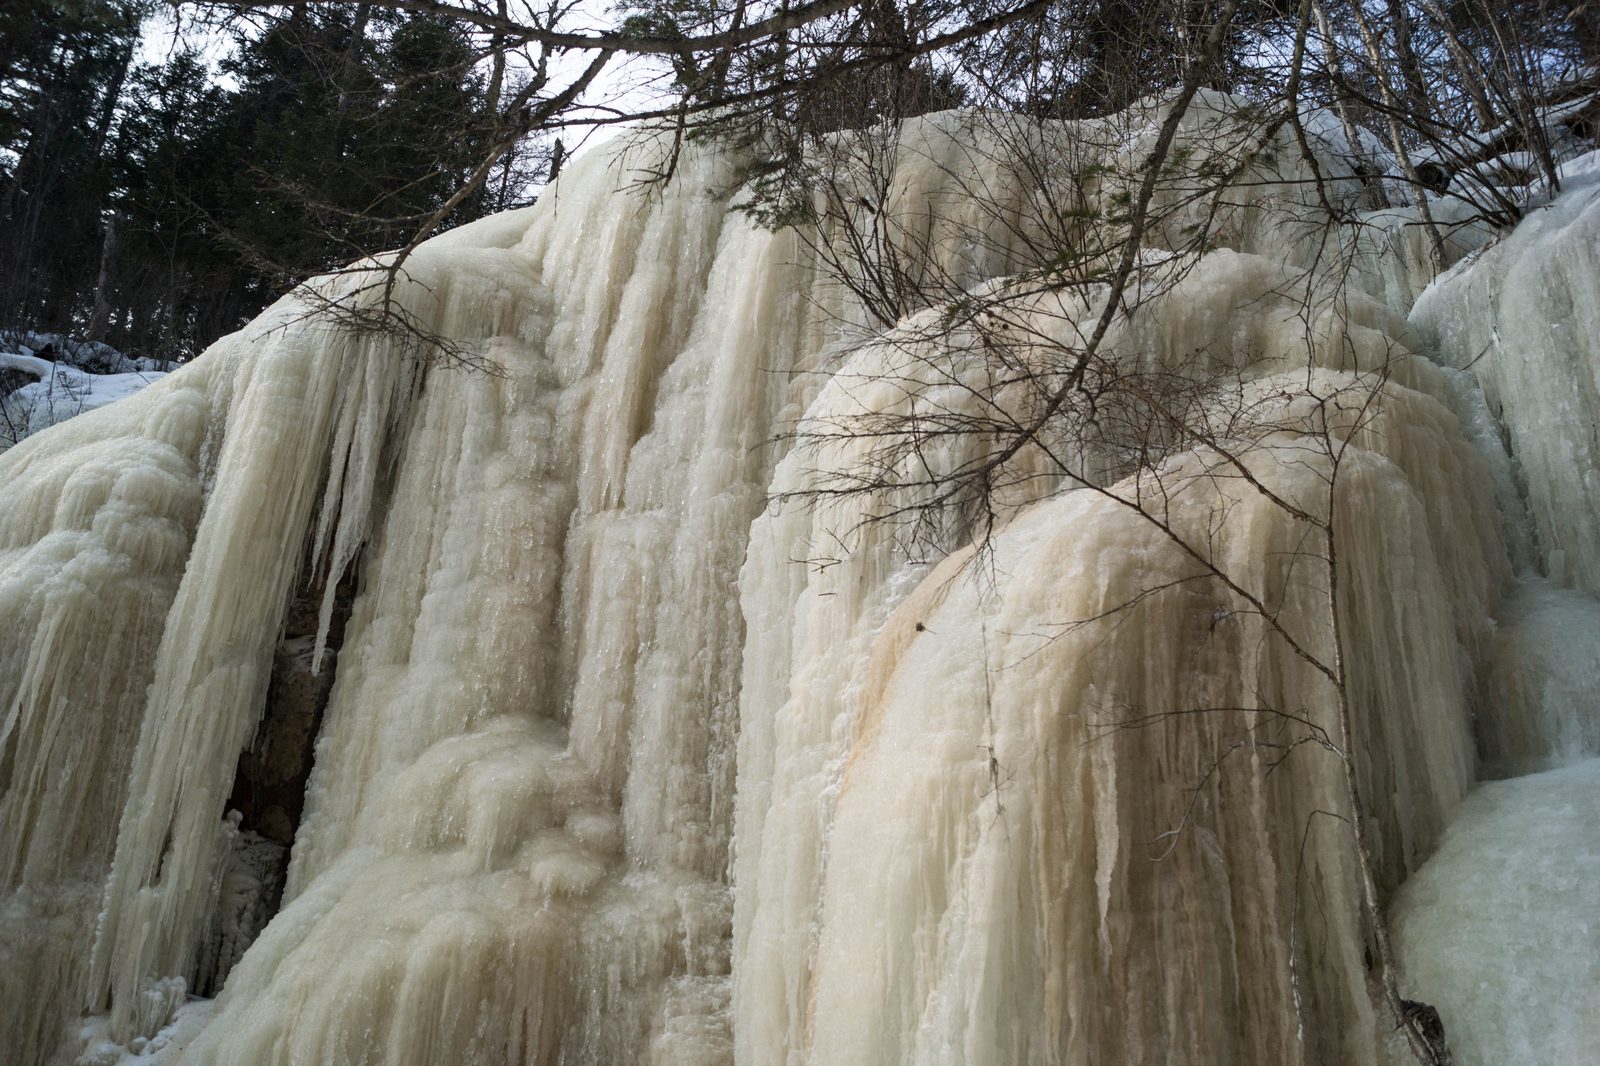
(359,710)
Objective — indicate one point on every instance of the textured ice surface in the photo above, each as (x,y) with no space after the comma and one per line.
(1524,316)
(1541,697)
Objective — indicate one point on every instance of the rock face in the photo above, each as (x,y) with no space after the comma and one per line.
(269,785)
(589,754)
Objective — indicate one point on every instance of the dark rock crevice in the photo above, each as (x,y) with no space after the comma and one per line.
(269,785)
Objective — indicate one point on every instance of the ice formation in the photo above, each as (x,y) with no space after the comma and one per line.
(623,763)
(1499,926)
(1528,324)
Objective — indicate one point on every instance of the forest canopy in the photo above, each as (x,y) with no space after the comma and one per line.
(166,171)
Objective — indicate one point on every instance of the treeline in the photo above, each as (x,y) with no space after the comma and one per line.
(156,205)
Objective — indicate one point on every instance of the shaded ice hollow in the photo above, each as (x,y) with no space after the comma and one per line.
(623,764)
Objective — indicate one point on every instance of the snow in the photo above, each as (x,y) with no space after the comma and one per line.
(27,364)
(58,392)
(165,1048)
(1584,168)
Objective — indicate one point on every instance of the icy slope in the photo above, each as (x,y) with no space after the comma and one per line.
(1498,930)
(1525,318)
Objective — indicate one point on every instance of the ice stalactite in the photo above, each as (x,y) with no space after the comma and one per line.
(212,667)
(517,825)
(986,891)
(93,541)
(150,554)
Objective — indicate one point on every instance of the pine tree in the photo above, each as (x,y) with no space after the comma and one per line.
(65,65)
(158,206)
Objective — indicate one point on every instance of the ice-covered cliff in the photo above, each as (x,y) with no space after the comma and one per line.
(604,731)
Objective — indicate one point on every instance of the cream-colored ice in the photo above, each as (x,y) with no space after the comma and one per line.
(624,764)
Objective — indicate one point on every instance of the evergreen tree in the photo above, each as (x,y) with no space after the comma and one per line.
(158,206)
(65,64)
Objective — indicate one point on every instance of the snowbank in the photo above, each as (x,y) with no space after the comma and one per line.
(59,391)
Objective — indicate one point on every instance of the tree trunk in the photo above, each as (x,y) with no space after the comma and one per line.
(1367,170)
(1473,81)
(352,56)
(100,318)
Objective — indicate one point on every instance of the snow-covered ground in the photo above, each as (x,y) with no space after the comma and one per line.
(59,389)
(1498,929)
(163,1049)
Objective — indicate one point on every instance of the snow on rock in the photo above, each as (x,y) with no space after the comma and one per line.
(57,392)
(93,357)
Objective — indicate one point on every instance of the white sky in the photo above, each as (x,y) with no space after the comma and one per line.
(624,85)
